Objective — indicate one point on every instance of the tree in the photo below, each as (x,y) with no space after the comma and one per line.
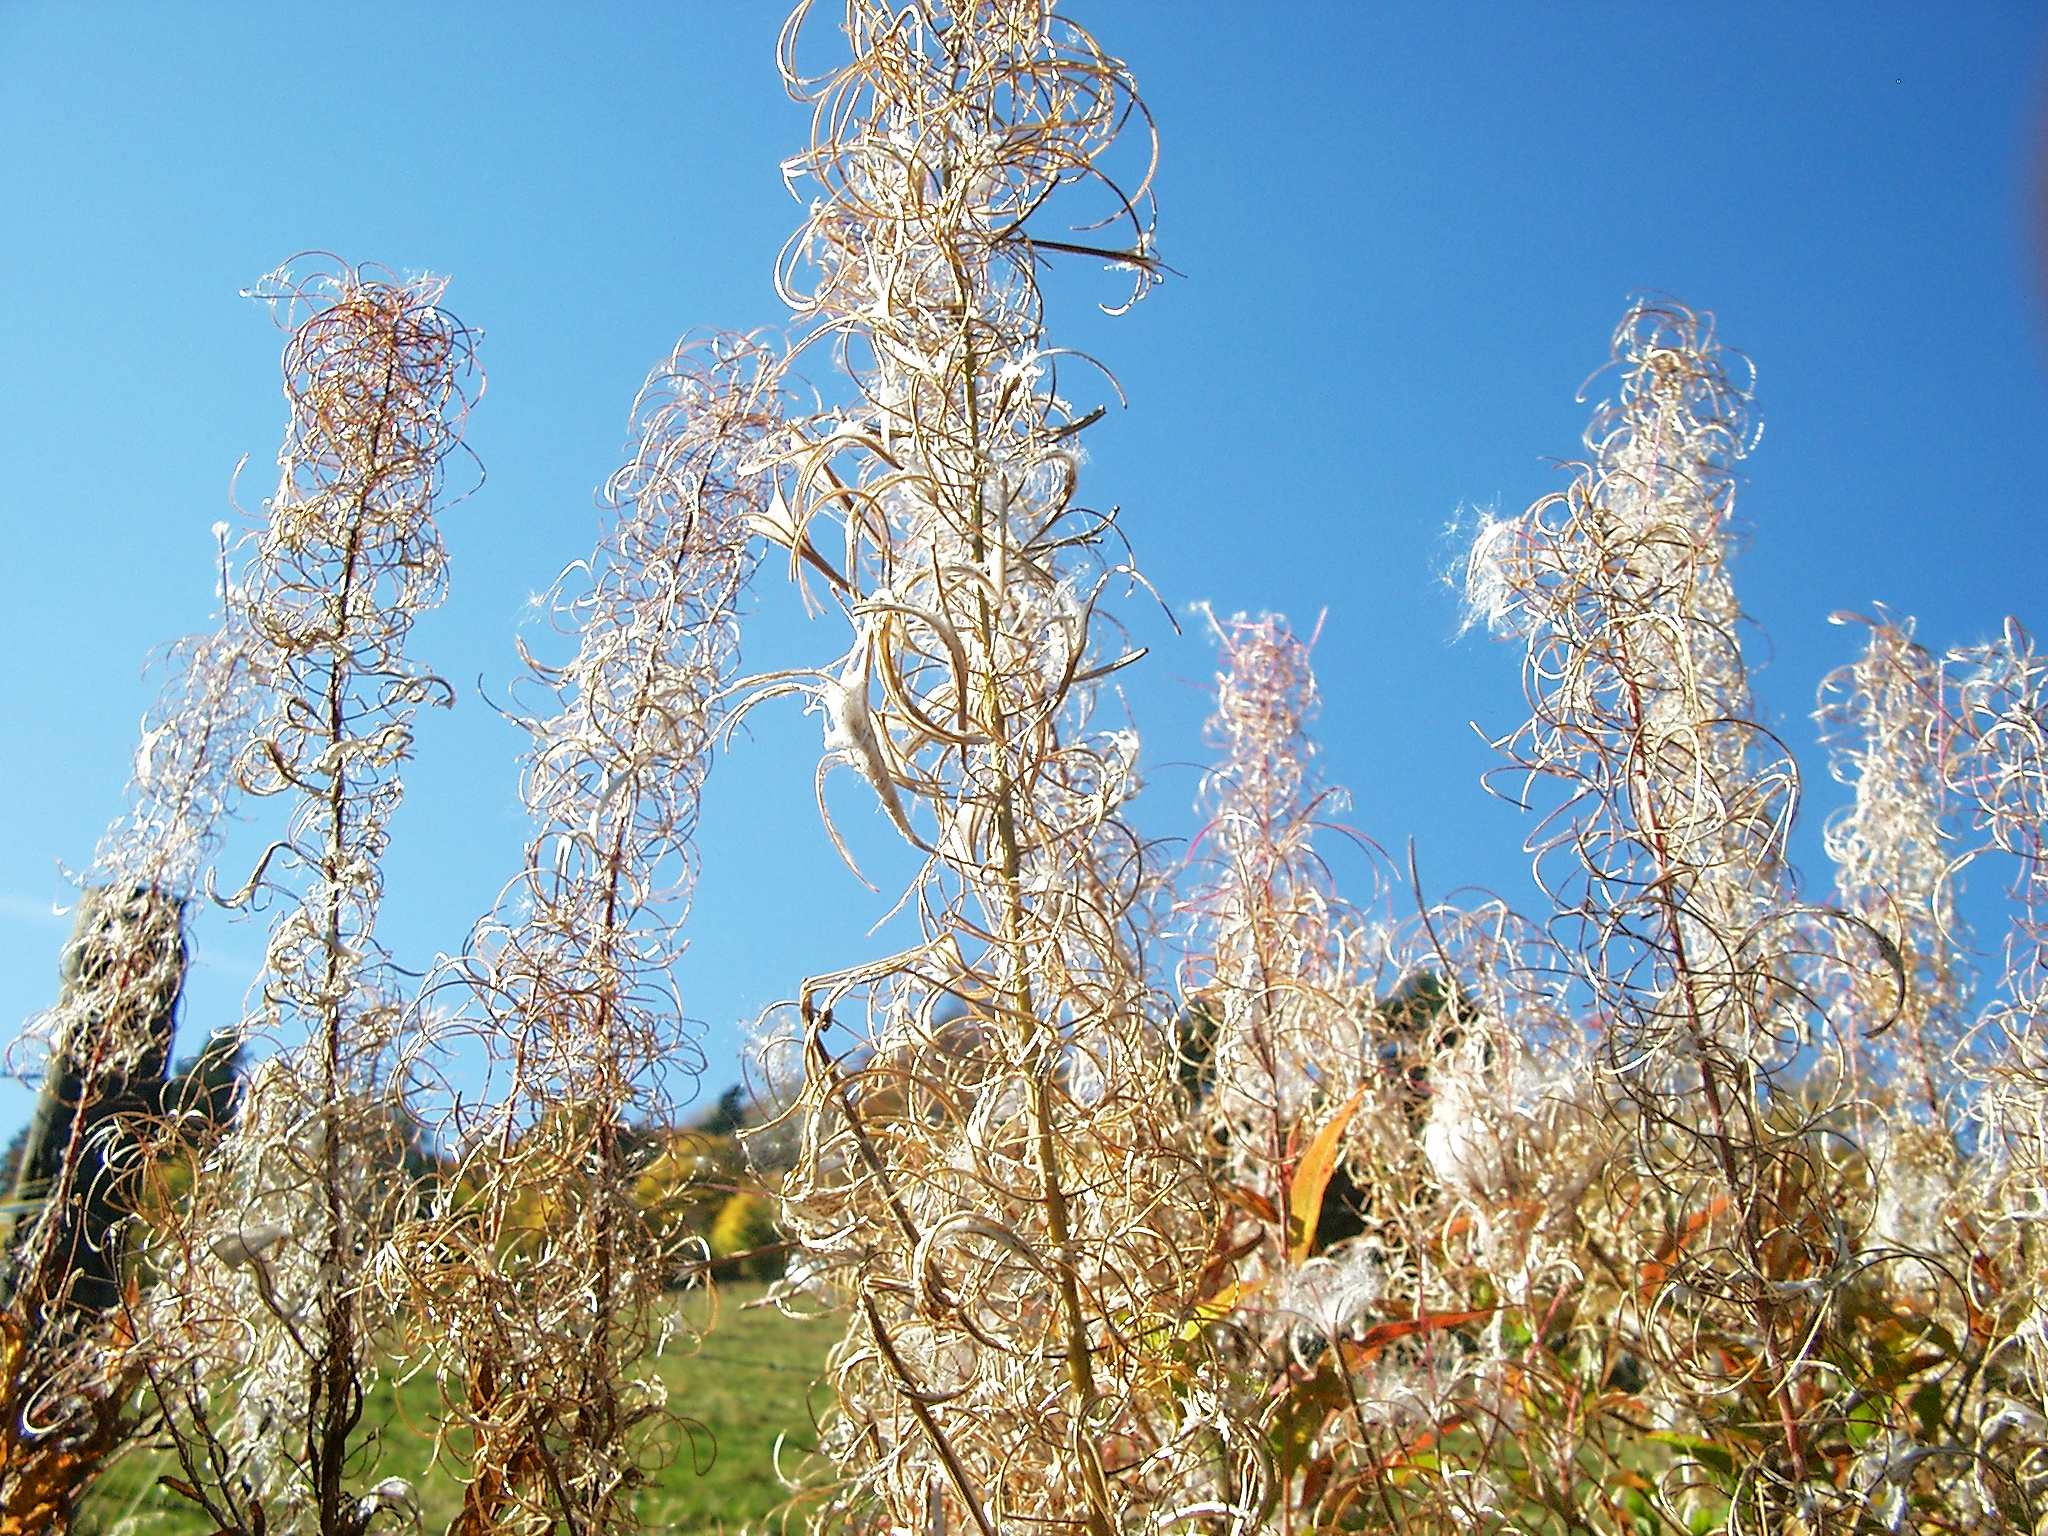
(728,1116)
(204,1086)
(77,1160)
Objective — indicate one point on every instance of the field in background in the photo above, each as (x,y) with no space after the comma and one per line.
(745,1384)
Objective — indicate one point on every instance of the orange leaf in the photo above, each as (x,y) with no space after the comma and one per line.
(1362,1351)
(1652,1273)
(1252,1201)
(1312,1177)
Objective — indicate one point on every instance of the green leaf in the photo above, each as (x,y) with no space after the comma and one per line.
(1706,1452)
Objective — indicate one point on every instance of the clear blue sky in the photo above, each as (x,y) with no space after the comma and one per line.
(1406,233)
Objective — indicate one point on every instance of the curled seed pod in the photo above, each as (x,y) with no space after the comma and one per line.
(1885,720)
(72,1358)
(992,1159)
(534,1283)
(1665,851)
(267,1345)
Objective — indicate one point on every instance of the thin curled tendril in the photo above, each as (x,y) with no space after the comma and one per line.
(986,1157)
(270,1303)
(537,1300)
(1664,848)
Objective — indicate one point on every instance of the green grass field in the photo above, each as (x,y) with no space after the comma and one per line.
(743,1385)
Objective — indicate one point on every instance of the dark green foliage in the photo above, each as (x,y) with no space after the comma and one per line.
(75,1159)
(204,1084)
(728,1116)
(1194,1047)
(10,1156)
(1410,1026)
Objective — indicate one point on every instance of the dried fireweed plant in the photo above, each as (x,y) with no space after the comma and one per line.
(1992,708)
(1270,1042)
(536,1279)
(1399,1138)
(1895,851)
(1687,1203)
(1277,955)
(992,1164)
(262,1327)
(71,1355)
(1665,853)
(1807,1313)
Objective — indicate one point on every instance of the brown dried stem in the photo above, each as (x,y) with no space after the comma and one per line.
(269,1271)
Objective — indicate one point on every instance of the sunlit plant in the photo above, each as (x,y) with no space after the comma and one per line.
(70,1359)
(1241,1187)
(991,1164)
(535,1282)
(264,1327)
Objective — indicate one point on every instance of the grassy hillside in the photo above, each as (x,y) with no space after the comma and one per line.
(745,1384)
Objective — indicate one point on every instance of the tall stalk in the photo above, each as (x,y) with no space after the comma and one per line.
(69,1355)
(1999,774)
(1895,849)
(268,1311)
(992,1155)
(535,1283)
(1665,850)
(1277,958)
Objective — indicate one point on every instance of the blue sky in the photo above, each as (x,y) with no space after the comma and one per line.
(1406,232)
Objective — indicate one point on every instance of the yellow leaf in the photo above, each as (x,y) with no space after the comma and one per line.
(1312,1177)
(1222,1304)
